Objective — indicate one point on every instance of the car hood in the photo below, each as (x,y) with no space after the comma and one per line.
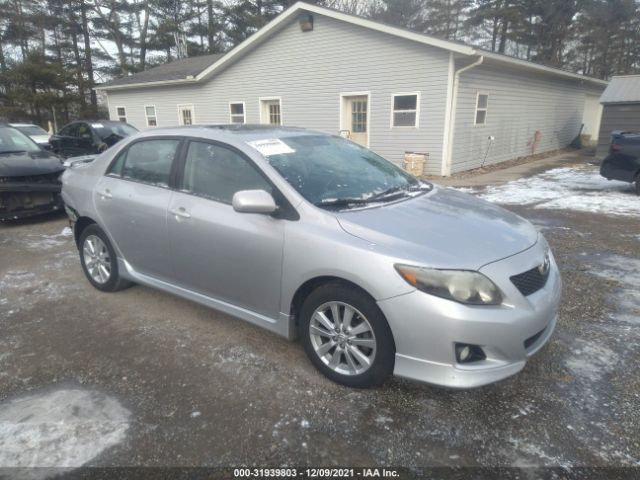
(23,164)
(442,229)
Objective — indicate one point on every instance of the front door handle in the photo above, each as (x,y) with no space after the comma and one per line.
(180,212)
(107,195)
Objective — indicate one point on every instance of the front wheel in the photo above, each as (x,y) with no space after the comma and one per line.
(346,336)
(99,261)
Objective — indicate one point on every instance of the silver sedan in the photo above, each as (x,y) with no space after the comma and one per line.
(314,237)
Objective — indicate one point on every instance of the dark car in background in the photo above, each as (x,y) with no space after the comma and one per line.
(87,137)
(623,161)
(29,177)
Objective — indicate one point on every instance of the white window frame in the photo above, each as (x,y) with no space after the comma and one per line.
(120,117)
(244,112)
(193,112)
(417,110)
(154,116)
(264,116)
(485,110)
(344,126)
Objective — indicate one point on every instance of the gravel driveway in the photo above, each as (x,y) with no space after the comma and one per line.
(143,378)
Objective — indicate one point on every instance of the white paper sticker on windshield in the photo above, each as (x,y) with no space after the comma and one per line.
(271,146)
(97,125)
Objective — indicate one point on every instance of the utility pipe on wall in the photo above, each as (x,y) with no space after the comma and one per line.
(452,114)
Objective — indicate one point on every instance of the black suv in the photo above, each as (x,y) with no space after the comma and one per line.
(88,137)
(623,161)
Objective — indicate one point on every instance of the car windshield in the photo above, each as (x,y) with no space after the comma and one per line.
(32,130)
(14,141)
(334,172)
(120,129)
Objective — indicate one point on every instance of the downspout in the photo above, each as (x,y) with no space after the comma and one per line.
(446,168)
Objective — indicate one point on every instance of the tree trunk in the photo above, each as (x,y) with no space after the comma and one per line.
(76,55)
(143,37)
(210,37)
(88,61)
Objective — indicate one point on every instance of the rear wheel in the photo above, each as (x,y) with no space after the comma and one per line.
(99,261)
(346,336)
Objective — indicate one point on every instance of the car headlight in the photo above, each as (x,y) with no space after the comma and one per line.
(462,286)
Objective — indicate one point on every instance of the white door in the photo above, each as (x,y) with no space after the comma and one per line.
(270,111)
(355,118)
(185,115)
(591,116)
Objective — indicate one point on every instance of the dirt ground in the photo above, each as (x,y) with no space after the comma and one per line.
(140,377)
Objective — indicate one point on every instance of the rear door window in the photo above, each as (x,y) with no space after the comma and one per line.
(147,161)
(217,173)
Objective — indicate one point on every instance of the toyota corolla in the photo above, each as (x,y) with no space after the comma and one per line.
(314,237)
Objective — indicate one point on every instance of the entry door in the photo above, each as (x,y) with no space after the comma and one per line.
(271,113)
(185,114)
(355,111)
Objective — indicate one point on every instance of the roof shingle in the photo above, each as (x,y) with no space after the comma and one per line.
(176,70)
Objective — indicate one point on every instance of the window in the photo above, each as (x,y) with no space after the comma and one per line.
(359,116)
(270,112)
(69,131)
(13,139)
(217,173)
(236,111)
(405,110)
(185,115)
(150,113)
(84,131)
(482,105)
(148,161)
(121,112)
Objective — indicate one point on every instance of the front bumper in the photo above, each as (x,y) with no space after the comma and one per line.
(27,201)
(426,328)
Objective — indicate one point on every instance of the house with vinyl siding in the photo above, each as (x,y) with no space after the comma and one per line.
(390,89)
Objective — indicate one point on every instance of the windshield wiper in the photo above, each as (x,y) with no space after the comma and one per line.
(342,202)
(398,191)
(2,152)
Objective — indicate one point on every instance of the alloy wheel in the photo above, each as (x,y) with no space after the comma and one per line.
(97,259)
(342,338)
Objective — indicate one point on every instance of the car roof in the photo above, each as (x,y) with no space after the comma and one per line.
(233,133)
(23,125)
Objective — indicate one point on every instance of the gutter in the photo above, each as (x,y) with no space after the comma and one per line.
(446,166)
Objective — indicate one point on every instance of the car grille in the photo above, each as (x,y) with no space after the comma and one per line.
(530,281)
(43,179)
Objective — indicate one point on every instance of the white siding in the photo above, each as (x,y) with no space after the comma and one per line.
(520,103)
(309,71)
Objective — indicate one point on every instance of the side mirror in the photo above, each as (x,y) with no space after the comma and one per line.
(253,201)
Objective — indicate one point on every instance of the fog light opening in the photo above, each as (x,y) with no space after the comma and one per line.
(469,353)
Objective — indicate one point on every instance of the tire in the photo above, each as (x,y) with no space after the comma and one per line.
(342,354)
(98,260)
(638,185)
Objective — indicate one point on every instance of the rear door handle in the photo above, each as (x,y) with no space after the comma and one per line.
(107,195)
(180,212)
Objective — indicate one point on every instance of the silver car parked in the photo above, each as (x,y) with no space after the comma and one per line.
(314,237)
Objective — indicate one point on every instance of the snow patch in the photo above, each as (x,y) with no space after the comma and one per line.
(23,289)
(47,242)
(590,360)
(626,272)
(576,188)
(64,428)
